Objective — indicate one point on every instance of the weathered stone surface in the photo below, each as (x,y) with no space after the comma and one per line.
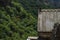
(47,18)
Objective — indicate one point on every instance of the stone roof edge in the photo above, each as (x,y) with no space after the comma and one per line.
(50,10)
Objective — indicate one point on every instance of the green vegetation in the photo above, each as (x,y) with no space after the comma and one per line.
(18,20)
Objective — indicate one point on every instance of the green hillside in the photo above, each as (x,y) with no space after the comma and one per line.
(17,22)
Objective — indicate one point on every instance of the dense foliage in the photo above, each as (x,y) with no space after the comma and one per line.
(18,19)
(16,22)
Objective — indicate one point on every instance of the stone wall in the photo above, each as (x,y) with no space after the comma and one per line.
(47,18)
